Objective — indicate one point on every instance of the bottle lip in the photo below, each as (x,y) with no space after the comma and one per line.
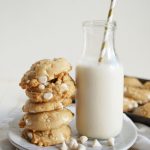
(99,23)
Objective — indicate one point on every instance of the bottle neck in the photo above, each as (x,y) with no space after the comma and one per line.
(93,39)
(108,52)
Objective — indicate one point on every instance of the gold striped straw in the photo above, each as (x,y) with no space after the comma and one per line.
(106,32)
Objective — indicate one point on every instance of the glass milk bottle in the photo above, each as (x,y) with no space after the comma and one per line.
(99,85)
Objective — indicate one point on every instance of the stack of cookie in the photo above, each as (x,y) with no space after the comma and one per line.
(135,93)
(50,89)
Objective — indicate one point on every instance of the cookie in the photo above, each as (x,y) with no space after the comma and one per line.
(131,81)
(147,85)
(47,106)
(49,137)
(62,87)
(43,71)
(46,120)
(142,96)
(143,110)
(129,104)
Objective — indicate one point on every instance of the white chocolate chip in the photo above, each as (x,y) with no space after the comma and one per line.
(135,104)
(46,83)
(81,147)
(148,97)
(27,81)
(60,106)
(42,79)
(111,141)
(29,135)
(130,106)
(125,89)
(48,95)
(64,146)
(28,122)
(96,143)
(41,87)
(83,139)
(64,87)
(73,143)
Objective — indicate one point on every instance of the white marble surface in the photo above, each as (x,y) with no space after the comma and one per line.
(12,98)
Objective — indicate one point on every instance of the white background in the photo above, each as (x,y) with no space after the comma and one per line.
(35,29)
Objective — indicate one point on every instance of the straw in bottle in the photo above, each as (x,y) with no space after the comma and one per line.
(106,33)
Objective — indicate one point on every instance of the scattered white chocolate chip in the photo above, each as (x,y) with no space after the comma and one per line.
(83,139)
(42,79)
(64,146)
(64,87)
(30,135)
(96,143)
(73,144)
(28,122)
(81,147)
(48,95)
(41,87)
(111,141)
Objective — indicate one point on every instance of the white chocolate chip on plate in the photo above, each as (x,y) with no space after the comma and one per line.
(96,143)
(64,146)
(81,147)
(48,95)
(42,79)
(111,141)
(83,139)
(73,144)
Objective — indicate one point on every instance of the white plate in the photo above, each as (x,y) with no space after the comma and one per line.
(123,141)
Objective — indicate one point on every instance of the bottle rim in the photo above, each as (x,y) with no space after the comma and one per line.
(100,23)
